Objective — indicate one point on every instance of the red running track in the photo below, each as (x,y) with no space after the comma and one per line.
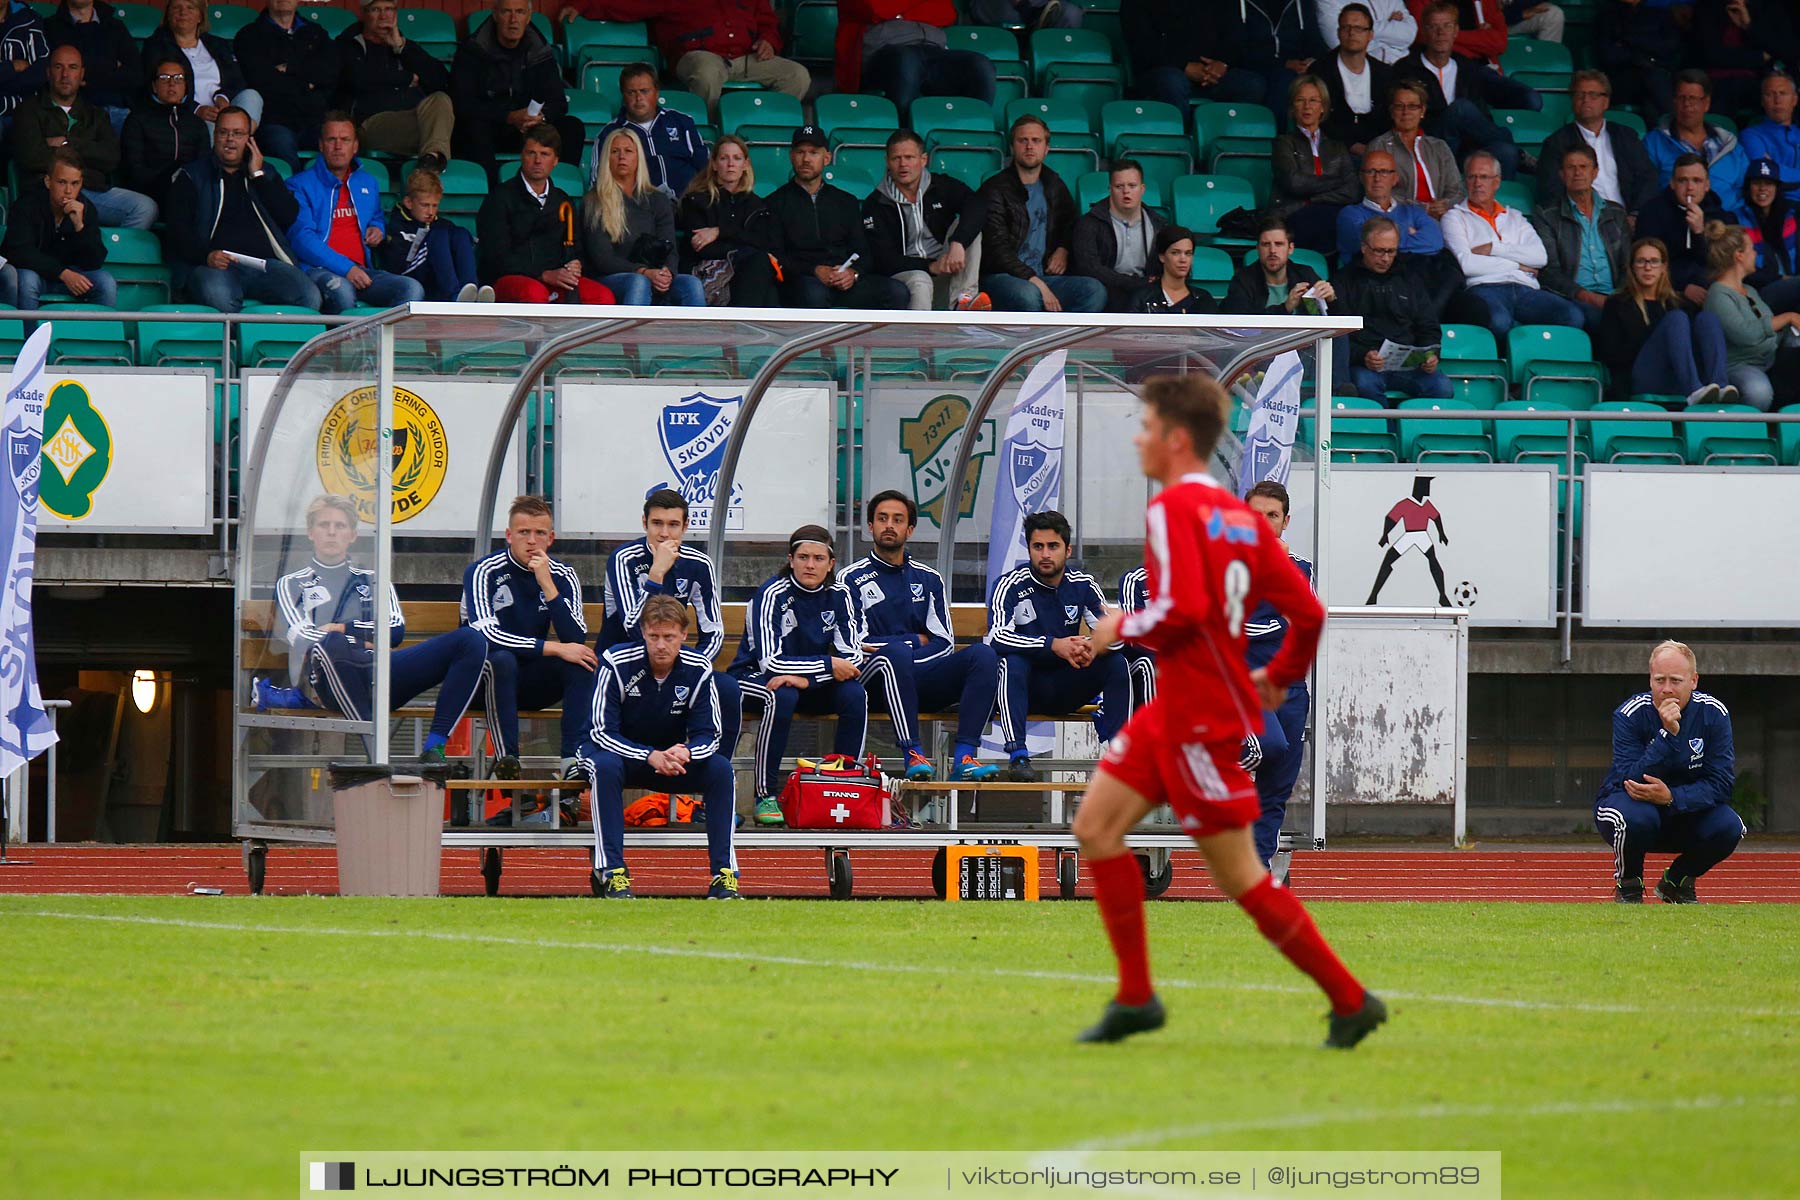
(1484,873)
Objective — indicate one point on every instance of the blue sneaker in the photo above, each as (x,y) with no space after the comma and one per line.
(918,766)
(267,694)
(971,769)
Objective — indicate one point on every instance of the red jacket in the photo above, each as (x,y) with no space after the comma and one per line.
(728,28)
(1486,43)
(855,17)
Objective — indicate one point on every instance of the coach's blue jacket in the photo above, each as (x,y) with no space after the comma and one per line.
(792,630)
(1698,764)
(635,714)
(501,600)
(899,603)
(1025,614)
(691,580)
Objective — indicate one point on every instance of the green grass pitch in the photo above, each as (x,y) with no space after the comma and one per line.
(188,1046)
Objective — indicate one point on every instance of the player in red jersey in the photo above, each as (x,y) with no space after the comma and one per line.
(1211,559)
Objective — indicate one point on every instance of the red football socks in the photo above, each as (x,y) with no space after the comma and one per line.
(1119,891)
(1282,919)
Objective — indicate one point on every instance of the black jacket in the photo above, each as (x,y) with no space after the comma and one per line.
(1173,33)
(1095,249)
(109,54)
(742,219)
(1560,231)
(648,239)
(1249,294)
(1660,218)
(1399,306)
(1345,126)
(196,193)
(1150,299)
(488,81)
(161,47)
(1468,82)
(376,79)
(88,129)
(299,95)
(946,201)
(1622,333)
(1294,185)
(515,235)
(1007,222)
(38,240)
(157,141)
(1638,180)
(820,229)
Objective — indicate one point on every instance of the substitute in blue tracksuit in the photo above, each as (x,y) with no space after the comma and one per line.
(514,599)
(656,725)
(326,614)
(1134,593)
(802,652)
(1669,789)
(1047,664)
(904,610)
(1281,745)
(661,564)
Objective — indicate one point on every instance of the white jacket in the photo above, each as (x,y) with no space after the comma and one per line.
(1515,246)
(1395,29)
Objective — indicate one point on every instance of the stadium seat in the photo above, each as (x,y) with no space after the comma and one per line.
(134,258)
(12,335)
(1553,353)
(815,32)
(771,166)
(331,19)
(593,111)
(1557,107)
(760,108)
(465,185)
(1472,360)
(969,164)
(435,31)
(1516,194)
(226,20)
(871,160)
(1357,439)
(90,343)
(685,102)
(141,20)
(1645,441)
(933,117)
(1072,164)
(272,345)
(1528,440)
(1250,159)
(1212,271)
(1200,200)
(1214,121)
(1721,120)
(851,180)
(586,41)
(1002,49)
(1528,129)
(1716,442)
(1538,64)
(852,120)
(1443,440)
(1083,47)
(1629,119)
(166,343)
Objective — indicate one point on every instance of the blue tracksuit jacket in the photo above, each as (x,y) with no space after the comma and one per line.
(502,601)
(1698,764)
(635,714)
(789,630)
(900,603)
(1025,615)
(691,580)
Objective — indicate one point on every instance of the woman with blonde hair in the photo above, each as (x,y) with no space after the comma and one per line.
(1761,363)
(727,229)
(1314,176)
(1651,337)
(628,230)
(214,77)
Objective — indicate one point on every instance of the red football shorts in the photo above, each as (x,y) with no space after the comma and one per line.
(1201,781)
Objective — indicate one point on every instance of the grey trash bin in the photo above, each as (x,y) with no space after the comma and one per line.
(389,831)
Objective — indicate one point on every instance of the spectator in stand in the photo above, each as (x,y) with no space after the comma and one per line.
(673,150)
(1626,176)
(1314,177)
(1501,254)
(1759,361)
(53,238)
(1740,42)
(628,230)
(440,255)
(1533,19)
(1428,174)
(1393,29)
(1169,291)
(1776,136)
(899,47)
(1459,90)
(23,45)
(59,117)
(1650,337)
(1356,82)
(1280,42)
(1481,28)
(214,79)
(1586,238)
(924,230)
(525,233)
(224,208)
(819,237)
(1768,218)
(1685,131)
(1678,216)
(1419,232)
(162,135)
(1032,14)
(1398,304)
(505,82)
(1181,51)
(1113,240)
(398,93)
(728,230)
(115,71)
(339,223)
(292,63)
(1640,44)
(1025,241)
(708,42)
(1273,283)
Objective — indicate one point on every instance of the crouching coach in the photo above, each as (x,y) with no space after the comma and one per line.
(1669,789)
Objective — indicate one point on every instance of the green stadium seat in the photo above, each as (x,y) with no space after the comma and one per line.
(1135,119)
(851,180)
(815,33)
(770,163)
(1071,164)
(1212,271)
(166,343)
(1082,47)
(933,116)
(1091,85)
(685,102)
(853,120)
(331,19)
(1733,443)
(1215,121)
(1447,440)
(1553,352)
(1528,440)
(134,258)
(1721,120)
(12,335)
(90,343)
(969,164)
(1358,439)
(1528,129)
(1250,159)
(1200,200)
(141,20)
(272,345)
(1787,435)
(1629,119)
(432,29)
(226,20)
(593,110)
(585,41)
(1514,193)
(1538,64)
(1557,107)
(769,109)
(870,160)
(1646,441)
(1472,360)
(1001,47)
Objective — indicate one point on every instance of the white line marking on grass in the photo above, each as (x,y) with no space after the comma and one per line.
(1355,1116)
(830,964)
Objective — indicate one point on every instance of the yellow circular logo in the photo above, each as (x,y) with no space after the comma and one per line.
(349,436)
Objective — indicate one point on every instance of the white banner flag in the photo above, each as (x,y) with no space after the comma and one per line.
(1031,461)
(25,729)
(1269,442)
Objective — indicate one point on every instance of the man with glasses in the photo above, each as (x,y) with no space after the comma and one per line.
(1397,303)
(1356,82)
(1428,174)
(1393,27)
(1501,254)
(1625,174)
(1460,90)
(1419,231)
